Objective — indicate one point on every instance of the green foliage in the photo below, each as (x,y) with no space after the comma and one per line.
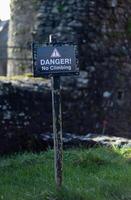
(93,174)
(60,8)
(22,68)
(128,30)
(115,35)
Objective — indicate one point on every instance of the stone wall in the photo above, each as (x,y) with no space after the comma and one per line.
(25,108)
(21,25)
(3,46)
(102,30)
(99,100)
(26,112)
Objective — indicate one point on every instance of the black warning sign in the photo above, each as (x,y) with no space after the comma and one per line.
(53,60)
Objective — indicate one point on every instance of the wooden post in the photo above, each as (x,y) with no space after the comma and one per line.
(57,127)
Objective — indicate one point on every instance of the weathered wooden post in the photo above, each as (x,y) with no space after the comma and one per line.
(57,126)
(57,129)
(54,60)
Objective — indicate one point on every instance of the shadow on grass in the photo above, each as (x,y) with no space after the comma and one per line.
(100,156)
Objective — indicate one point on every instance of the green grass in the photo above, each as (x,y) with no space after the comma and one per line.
(93,174)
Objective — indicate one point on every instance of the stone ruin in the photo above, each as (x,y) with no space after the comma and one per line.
(98,101)
(21,25)
(3,44)
(102,30)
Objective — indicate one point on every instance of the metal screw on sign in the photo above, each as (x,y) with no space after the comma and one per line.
(57,126)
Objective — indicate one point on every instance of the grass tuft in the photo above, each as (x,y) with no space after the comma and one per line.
(93,174)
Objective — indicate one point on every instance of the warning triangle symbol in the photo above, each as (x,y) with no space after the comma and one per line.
(55,54)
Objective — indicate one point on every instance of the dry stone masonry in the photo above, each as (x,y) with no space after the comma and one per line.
(102,30)
(98,101)
(26,117)
(3,44)
(21,25)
